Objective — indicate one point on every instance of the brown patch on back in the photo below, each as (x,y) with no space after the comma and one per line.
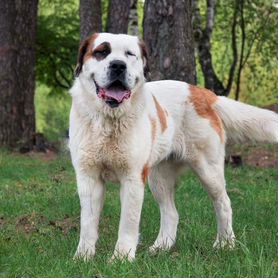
(161,115)
(153,125)
(145,173)
(202,100)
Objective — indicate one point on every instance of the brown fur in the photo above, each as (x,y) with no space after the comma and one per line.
(85,52)
(153,125)
(89,48)
(145,173)
(203,100)
(161,115)
(144,56)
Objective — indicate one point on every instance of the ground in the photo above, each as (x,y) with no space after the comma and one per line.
(39,223)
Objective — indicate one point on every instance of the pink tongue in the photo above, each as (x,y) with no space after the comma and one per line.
(117,95)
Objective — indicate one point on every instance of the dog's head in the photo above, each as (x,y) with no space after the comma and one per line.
(112,67)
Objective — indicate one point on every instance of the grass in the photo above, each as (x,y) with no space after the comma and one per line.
(40,226)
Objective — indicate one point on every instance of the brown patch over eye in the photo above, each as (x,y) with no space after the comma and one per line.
(102,51)
(202,100)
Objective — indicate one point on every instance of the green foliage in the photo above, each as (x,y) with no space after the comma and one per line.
(259,77)
(52,113)
(57,46)
(140,11)
(40,226)
(57,43)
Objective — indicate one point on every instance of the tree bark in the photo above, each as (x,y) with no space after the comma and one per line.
(90,17)
(133,19)
(168,35)
(18,20)
(241,58)
(118,13)
(203,38)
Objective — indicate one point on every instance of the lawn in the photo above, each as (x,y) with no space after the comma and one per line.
(39,222)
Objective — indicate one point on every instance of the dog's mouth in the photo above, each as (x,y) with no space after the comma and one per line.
(114,94)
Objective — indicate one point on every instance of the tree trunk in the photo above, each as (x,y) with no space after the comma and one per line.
(18,20)
(203,39)
(168,34)
(118,13)
(133,19)
(90,17)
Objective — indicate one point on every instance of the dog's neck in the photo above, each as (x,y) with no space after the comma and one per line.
(111,121)
(117,123)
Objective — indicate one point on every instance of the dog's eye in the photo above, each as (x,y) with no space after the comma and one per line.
(129,53)
(100,53)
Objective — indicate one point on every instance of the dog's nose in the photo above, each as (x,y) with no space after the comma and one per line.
(118,66)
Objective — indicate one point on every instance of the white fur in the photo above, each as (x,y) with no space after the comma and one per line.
(245,122)
(114,144)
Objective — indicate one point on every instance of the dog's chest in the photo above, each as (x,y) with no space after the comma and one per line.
(108,155)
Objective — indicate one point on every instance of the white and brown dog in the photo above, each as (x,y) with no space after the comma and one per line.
(127,131)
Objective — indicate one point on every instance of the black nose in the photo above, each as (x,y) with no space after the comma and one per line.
(118,67)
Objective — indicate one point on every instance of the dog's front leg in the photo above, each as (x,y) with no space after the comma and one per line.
(132,195)
(91,195)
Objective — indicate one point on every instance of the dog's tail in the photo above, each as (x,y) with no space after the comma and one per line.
(245,122)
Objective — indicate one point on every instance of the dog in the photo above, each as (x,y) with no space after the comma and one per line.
(128,131)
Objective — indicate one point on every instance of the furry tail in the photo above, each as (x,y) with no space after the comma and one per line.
(245,122)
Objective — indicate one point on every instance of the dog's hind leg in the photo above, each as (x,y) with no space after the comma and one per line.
(211,172)
(162,183)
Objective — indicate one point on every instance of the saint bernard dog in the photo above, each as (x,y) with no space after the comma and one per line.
(128,131)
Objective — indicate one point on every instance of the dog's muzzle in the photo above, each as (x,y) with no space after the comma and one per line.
(113,94)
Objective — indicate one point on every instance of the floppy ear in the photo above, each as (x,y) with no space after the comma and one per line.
(144,55)
(82,51)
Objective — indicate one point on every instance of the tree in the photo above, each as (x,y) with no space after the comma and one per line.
(133,19)
(168,35)
(90,17)
(118,14)
(242,25)
(17,70)
(203,38)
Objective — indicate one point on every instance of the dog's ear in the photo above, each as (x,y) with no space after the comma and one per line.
(81,53)
(144,54)
(83,49)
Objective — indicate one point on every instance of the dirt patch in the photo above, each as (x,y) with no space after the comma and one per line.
(35,223)
(261,158)
(29,223)
(65,225)
(2,222)
(48,155)
(262,155)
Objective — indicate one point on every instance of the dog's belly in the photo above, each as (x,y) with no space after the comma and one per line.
(108,175)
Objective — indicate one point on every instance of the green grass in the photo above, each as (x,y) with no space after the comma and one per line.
(40,226)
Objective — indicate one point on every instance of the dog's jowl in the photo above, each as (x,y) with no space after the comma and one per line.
(128,131)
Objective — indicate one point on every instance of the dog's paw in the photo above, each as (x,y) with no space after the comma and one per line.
(123,253)
(161,245)
(84,252)
(221,243)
